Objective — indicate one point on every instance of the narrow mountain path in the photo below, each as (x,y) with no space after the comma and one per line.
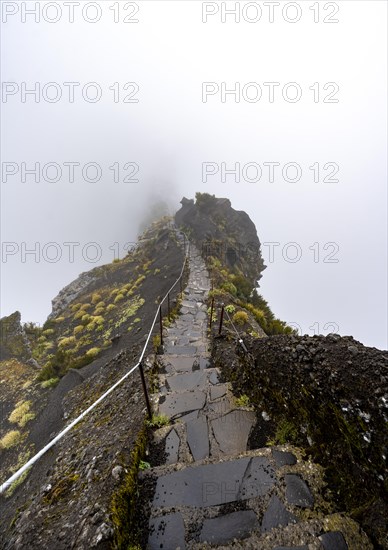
(212,491)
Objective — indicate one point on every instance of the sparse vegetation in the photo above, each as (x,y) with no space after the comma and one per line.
(21,414)
(93,352)
(10,439)
(157,421)
(240,318)
(242,401)
(50,383)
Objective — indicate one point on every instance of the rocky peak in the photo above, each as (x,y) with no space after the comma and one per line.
(221,231)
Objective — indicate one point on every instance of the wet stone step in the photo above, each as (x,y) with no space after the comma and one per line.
(258,479)
(167,532)
(283,458)
(178,403)
(297,492)
(276,515)
(187,382)
(215,484)
(201,486)
(232,430)
(198,438)
(180,363)
(172,447)
(333,540)
(237,525)
(181,350)
(291,548)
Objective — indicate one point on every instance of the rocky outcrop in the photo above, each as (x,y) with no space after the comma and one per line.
(14,341)
(330,396)
(71,291)
(222,232)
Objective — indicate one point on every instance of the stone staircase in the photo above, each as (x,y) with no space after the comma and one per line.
(212,491)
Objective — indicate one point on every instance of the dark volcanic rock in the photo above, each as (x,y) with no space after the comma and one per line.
(332,401)
(219,230)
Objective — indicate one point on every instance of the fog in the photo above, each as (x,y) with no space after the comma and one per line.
(158,132)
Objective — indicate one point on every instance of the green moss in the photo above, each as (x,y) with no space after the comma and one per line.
(61,488)
(242,401)
(157,421)
(123,504)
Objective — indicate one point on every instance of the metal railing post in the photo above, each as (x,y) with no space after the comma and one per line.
(211,313)
(145,390)
(161,325)
(168,306)
(221,319)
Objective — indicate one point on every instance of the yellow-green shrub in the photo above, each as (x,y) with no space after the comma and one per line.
(118,298)
(11,439)
(66,342)
(20,413)
(96,298)
(99,310)
(78,329)
(110,307)
(79,314)
(240,318)
(93,352)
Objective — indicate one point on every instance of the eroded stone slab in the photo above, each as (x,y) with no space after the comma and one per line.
(258,479)
(216,392)
(232,430)
(333,540)
(204,363)
(167,532)
(276,515)
(178,403)
(214,377)
(221,530)
(198,438)
(172,447)
(297,492)
(181,350)
(187,382)
(291,548)
(283,458)
(180,364)
(202,486)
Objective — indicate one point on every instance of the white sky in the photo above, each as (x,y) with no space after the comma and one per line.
(171,132)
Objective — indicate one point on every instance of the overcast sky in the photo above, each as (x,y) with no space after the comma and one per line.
(167,117)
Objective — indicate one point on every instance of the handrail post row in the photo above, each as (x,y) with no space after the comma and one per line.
(161,325)
(145,390)
(211,313)
(221,319)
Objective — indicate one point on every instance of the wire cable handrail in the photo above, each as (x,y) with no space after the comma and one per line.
(4,486)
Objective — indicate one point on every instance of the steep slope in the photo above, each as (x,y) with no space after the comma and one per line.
(80,357)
